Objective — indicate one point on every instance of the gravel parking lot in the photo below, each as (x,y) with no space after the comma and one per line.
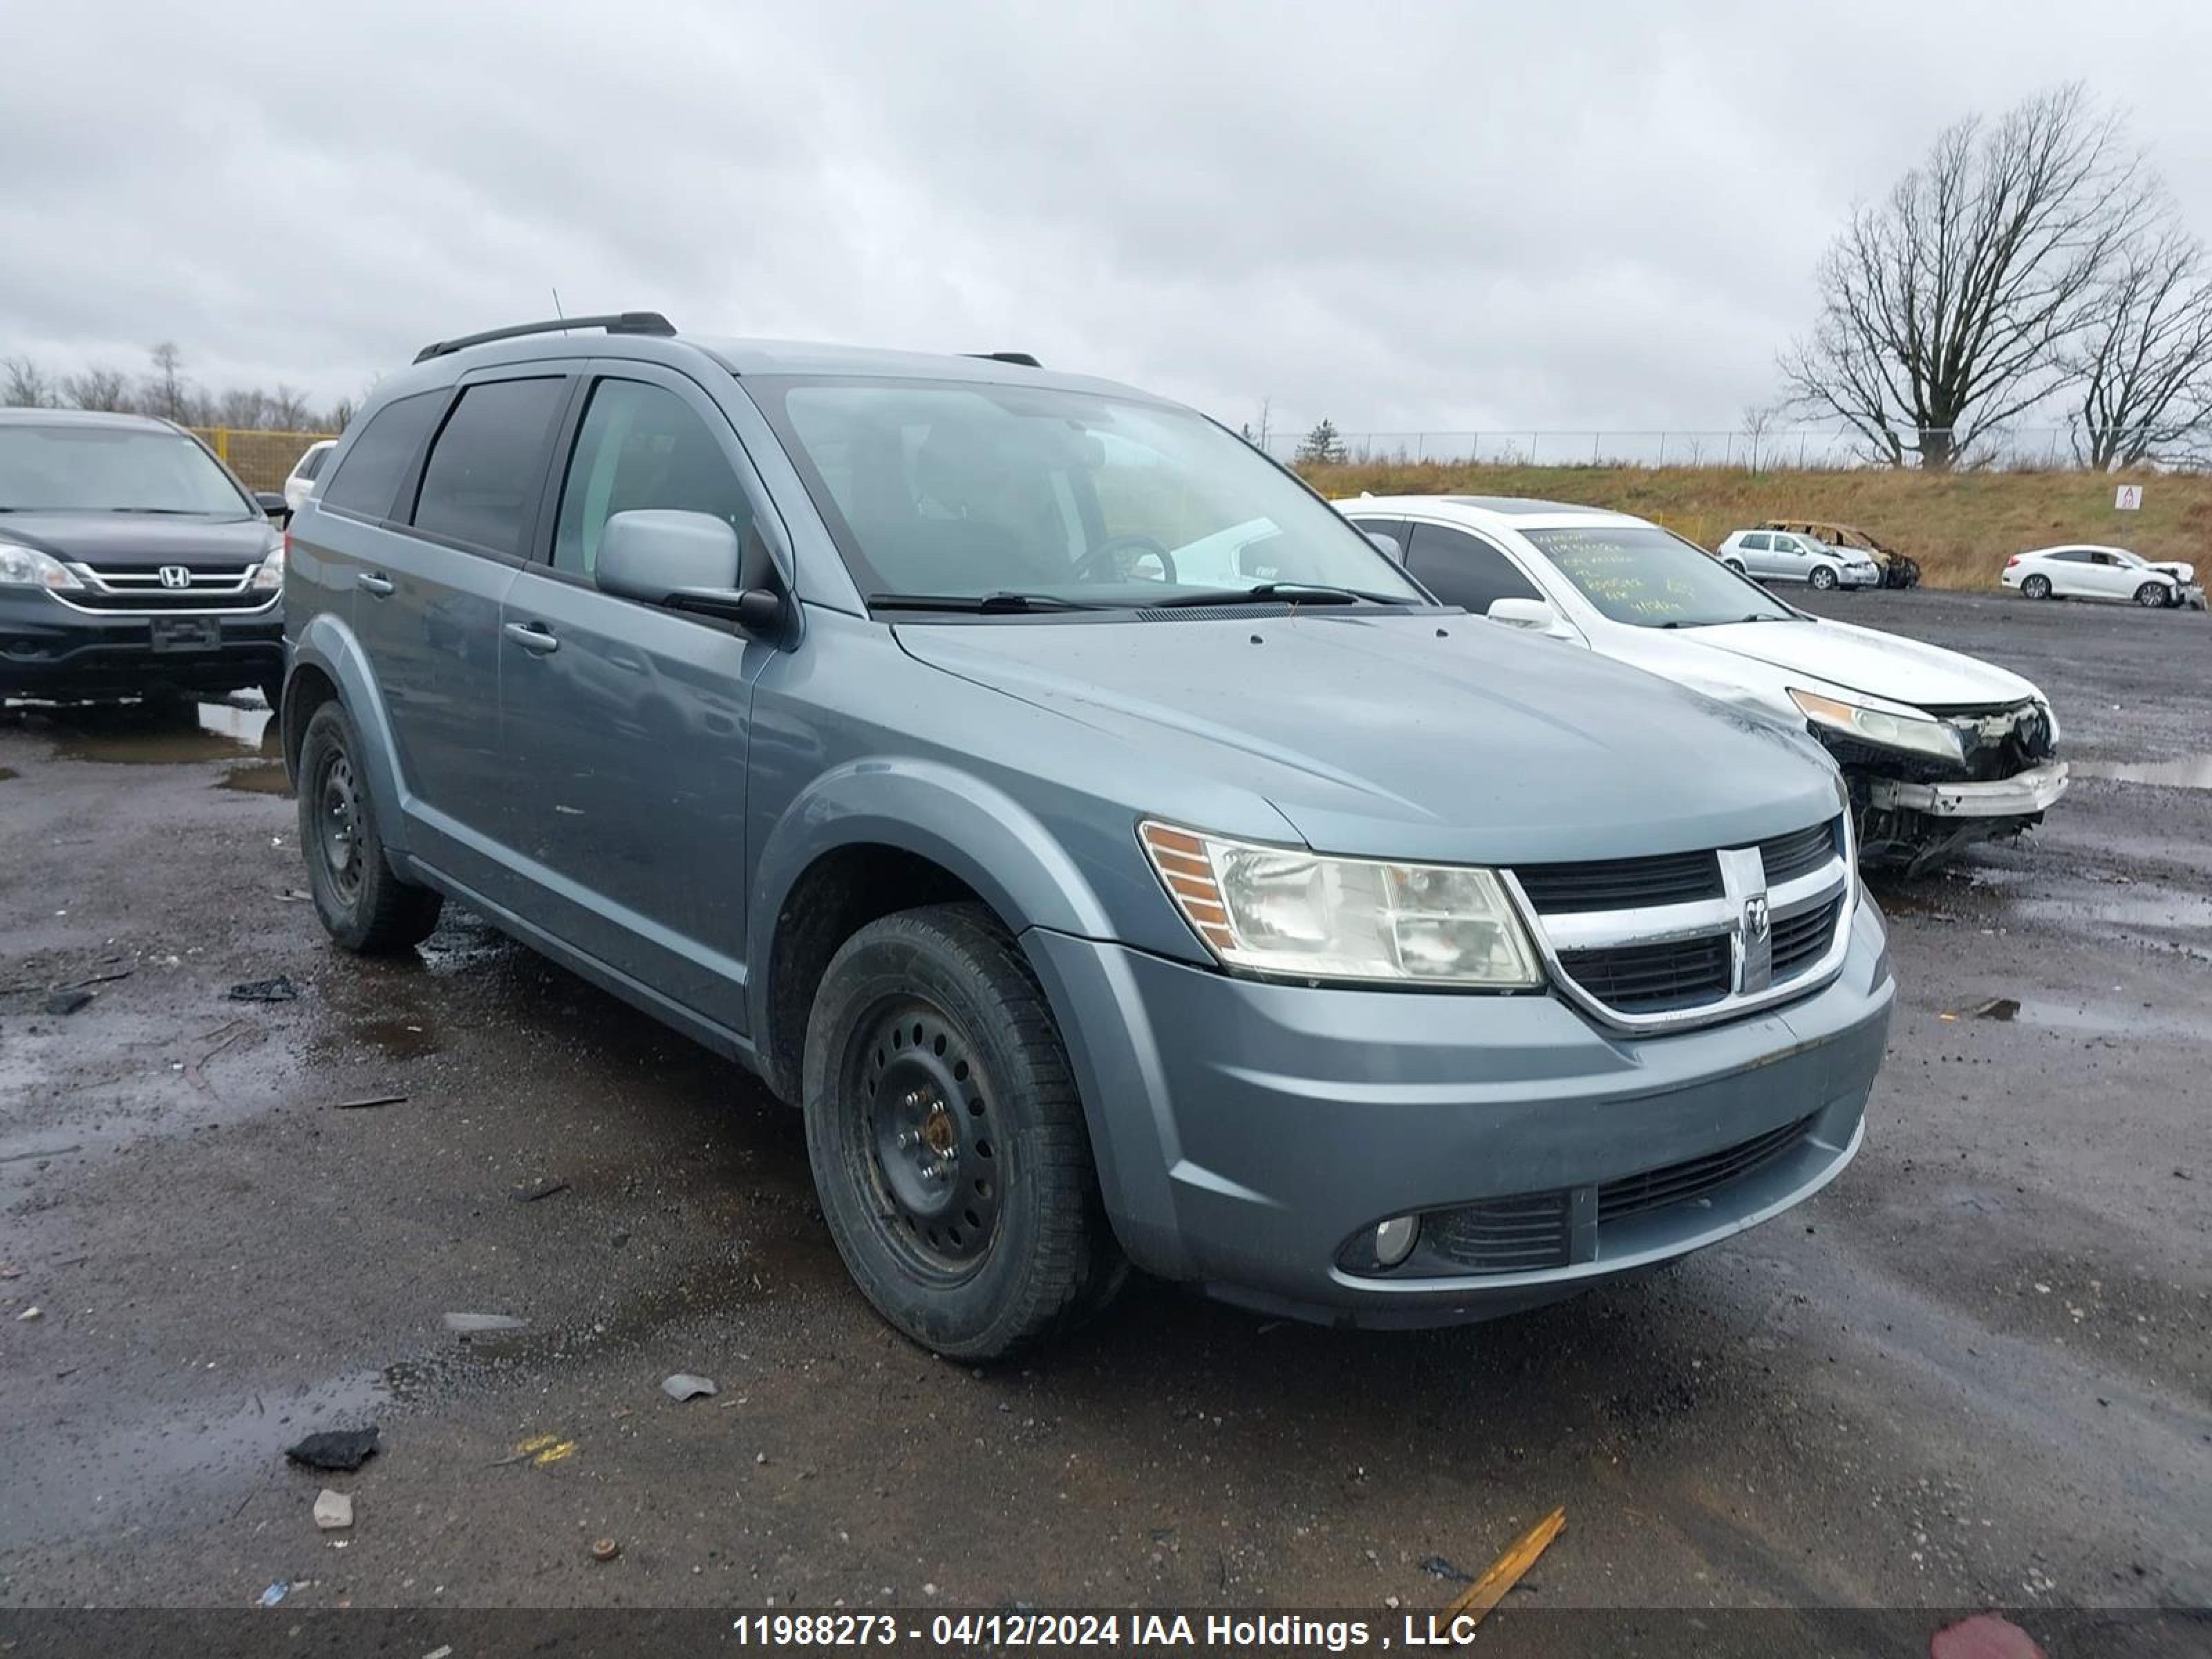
(1978,1370)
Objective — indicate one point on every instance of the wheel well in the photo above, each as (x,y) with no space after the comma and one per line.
(839,894)
(308,689)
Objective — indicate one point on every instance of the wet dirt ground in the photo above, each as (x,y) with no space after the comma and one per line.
(1978,1370)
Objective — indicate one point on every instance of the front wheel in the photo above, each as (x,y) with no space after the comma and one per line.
(2152,595)
(1824,577)
(364,905)
(2036,587)
(947,1141)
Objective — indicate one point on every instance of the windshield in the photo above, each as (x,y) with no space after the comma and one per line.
(952,490)
(93,469)
(1641,574)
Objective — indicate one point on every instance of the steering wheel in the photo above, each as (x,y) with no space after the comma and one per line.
(1089,567)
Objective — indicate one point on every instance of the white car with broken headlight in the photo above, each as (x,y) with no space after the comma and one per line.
(1939,748)
(2080,571)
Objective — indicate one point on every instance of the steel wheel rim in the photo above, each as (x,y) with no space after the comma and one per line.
(337,814)
(920,1117)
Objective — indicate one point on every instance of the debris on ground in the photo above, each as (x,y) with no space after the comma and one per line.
(537,1451)
(335,1448)
(1488,1591)
(468,1324)
(65,1002)
(9,1270)
(30,1313)
(1437,1567)
(1997,1008)
(333,1510)
(293,896)
(276,1593)
(604,1549)
(279,989)
(78,1146)
(1984,1636)
(367,1101)
(685,1386)
(543,1187)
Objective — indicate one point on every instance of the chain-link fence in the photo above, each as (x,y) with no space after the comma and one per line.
(262,459)
(2024,448)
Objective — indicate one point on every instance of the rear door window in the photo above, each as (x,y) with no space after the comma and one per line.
(1462,570)
(376,465)
(481,480)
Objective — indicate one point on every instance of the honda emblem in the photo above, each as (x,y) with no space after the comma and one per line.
(176,575)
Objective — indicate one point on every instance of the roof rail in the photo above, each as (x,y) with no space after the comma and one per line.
(620,322)
(1021,358)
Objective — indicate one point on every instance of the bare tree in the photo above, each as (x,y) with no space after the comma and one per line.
(98,388)
(1759,421)
(1943,308)
(286,409)
(2140,371)
(165,387)
(240,407)
(26,385)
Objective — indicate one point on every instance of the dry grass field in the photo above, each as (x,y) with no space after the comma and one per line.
(1959,526)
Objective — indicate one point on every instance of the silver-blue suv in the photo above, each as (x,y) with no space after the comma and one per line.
(1113,854)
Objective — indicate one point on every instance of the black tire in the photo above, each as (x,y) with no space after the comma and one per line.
(1823,577)
(1735,567)
(2152,595)
(947,1141)
(364,905)
(2035,587)
(272,693)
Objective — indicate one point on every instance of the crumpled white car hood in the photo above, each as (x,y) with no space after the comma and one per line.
(1859,659)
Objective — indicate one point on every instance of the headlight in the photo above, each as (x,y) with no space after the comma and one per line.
(1878,726)
(272,572)
(26,567)
(1284,910)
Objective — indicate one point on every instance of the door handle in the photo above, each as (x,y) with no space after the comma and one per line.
(533,636)
(374,583)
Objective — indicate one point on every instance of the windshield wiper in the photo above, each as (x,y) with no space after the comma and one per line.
(986,605)
(1294,593)
(172,512)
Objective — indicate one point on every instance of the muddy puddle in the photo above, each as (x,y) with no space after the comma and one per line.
(158,734)
(257,778)
(2190,772)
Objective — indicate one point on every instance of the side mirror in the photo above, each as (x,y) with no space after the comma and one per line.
(685,562)
(1537,614)
(1388,545)
(273,505)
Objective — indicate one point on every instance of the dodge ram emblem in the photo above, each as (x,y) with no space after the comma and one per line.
(1758,938)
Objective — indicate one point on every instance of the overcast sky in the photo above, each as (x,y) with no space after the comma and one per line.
(1403,216)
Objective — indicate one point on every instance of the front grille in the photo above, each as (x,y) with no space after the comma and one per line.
(1694,1178)
(1620,883)
(207,588)
(1651,979)
(1788,857)
(1801,940)
(1653,939)
(1522,1234)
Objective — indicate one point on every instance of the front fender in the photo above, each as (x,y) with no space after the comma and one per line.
(328,644)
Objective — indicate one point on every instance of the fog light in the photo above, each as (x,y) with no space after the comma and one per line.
(1394,1239)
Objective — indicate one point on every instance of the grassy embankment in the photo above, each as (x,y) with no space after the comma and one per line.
(1959,526)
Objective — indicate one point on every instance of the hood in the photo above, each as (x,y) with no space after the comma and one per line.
(2179,572)
(1423,735)
(1865,659)
(139,541)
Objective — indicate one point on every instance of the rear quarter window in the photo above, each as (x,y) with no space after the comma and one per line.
(482,478)
(370,476)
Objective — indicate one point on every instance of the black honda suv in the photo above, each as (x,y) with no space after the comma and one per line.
(132,563)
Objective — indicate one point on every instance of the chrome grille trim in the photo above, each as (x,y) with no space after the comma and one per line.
(1834,881)
(218,590)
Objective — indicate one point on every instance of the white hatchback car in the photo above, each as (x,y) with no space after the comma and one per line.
(1939,748)
(1781,555)
(2085,572)
(302,477)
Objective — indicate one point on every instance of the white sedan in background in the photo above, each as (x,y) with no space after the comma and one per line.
(1939,748)
(2084,572)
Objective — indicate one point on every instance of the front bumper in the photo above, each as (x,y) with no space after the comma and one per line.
(1246,1131)
(49,649)
(2190,597)
(2021,795)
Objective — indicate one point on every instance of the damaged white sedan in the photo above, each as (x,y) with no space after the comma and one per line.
(1939,749)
